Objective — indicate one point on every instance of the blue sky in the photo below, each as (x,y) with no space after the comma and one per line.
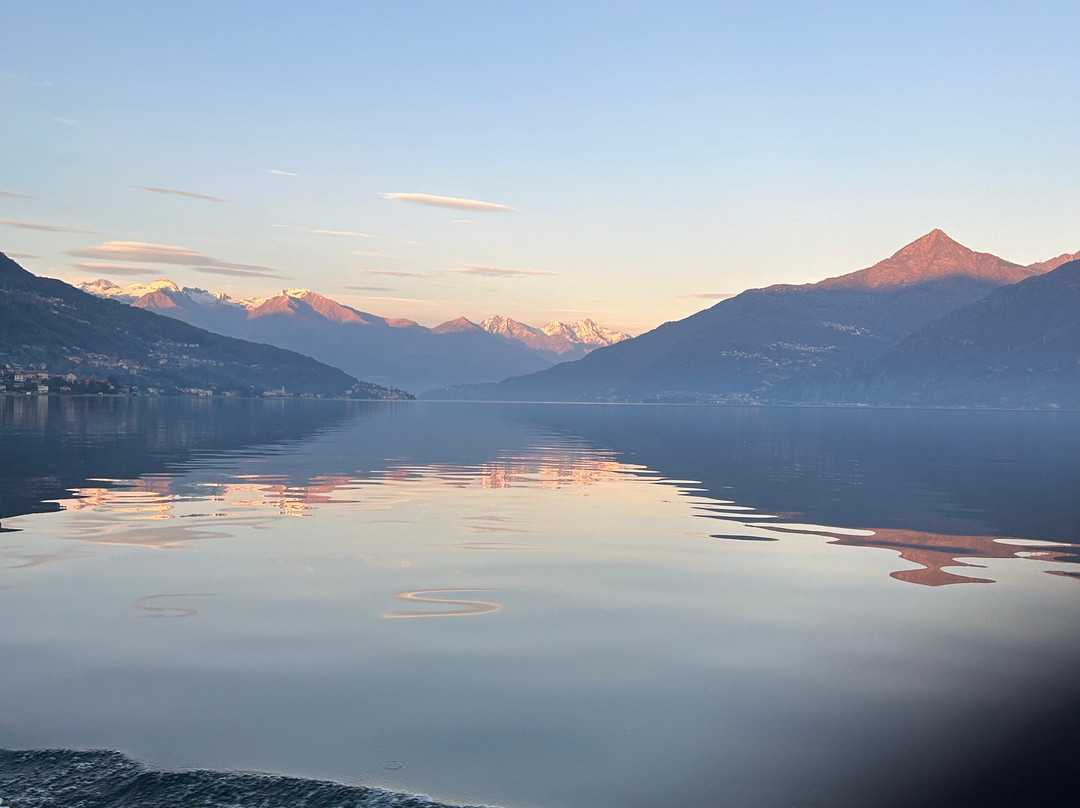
(651,155)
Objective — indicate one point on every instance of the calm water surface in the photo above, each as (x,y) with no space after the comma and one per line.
(549,605)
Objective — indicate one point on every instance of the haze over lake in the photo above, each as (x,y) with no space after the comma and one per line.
(577,606)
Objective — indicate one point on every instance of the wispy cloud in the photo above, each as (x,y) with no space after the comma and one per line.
(369,288)
(65,121)
(449,202)
(337,233)
(281,173)
(395,299)
(50,228)
(223,269)
(114,268)
(708,296)
(498,272)
(190,194)
(146,253)
(20,255)
(12,77)
(463,221)
(342,234)
(372,254)
(397,273)
(14,195)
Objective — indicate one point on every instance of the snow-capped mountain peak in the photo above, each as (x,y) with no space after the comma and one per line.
(205,298)
(99,287)
(126,294)
(507,327)
(555,337)
(556,340)
(584,332)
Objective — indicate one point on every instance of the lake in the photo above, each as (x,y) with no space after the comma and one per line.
(557,606)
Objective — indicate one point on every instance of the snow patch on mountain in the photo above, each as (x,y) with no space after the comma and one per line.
(125,294)
(585,332)
(556,337)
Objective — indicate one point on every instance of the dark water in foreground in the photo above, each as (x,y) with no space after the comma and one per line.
(536,605)
(102,779)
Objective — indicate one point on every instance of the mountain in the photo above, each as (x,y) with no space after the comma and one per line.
(933,257)
(396,352)
(393,351)
(125,294)
(196,307)
(781,343)
(1054,263)
(527,335)
(458,326)
(132,292)
(584,332)
(45,322)
(335,312)
(1017,347)
(557,340)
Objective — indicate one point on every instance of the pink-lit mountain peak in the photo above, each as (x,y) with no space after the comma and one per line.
(316,307)
(106,288)
(555,337)
(527,335)
(585,332)
(329,309)
(933,257)
(508,327)
(1050,264)
(156,300)
(457,326)
(281,305)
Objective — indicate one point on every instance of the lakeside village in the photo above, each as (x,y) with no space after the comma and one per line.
(18,381)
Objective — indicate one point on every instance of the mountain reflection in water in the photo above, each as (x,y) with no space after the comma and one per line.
(245,499)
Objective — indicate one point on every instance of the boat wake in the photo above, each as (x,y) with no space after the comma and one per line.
(59,778)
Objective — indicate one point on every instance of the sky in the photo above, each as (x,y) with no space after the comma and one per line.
(629,162)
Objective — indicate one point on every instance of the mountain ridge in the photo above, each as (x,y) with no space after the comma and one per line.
(396,352)
(390,350)
(779,343)
(45,322)
(1053,263)
(561,340)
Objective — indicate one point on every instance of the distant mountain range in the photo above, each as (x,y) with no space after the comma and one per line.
(852,338)
(935,324)
(45,323)
(558,340)
(392,351)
